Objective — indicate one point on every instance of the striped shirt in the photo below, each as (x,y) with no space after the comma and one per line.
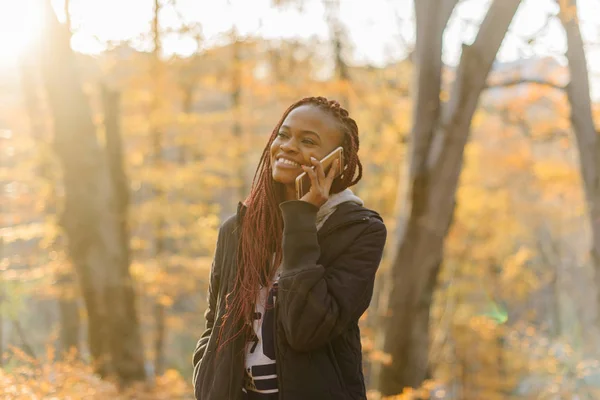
(260,375)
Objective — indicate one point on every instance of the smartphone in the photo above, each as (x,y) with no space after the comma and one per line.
(303,180)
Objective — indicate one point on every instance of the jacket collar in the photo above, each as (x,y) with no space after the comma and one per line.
(347,213)
(241,211)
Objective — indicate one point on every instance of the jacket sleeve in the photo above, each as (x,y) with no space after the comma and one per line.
(316,304)
(209,314)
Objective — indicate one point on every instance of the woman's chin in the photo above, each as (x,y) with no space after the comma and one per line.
(285,179)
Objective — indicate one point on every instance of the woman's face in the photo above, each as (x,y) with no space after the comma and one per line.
(306,132)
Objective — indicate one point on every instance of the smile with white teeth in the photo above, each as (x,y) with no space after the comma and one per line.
(288,162)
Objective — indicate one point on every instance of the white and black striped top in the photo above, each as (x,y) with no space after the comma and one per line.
(260,376)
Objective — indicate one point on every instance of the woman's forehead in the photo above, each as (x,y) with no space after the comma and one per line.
(309,116)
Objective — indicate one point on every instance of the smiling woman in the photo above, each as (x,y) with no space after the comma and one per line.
(291,277)
(20,26)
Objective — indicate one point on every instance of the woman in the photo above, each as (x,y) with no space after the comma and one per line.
(290,277)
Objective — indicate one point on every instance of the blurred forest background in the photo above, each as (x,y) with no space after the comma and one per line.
(130,130)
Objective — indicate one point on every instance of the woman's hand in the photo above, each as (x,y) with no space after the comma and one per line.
(320,185)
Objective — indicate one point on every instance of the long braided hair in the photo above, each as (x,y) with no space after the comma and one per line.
(260,247)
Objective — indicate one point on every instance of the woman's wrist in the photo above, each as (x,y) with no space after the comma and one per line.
(298,215)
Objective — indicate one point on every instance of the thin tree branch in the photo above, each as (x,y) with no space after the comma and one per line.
(447,9)
(525,81)
(403,41)
(581,107)
(509,119)
(68,22)
(541,31)
(445,154)
(428,62)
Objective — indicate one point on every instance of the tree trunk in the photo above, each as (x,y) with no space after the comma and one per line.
(90,219)
(159,340)
(111,101)
(236,104)
(438,139)
(550,254)
(70,323)
(188,81)
(68,306)
(578,93)
(159,192)
(337,32)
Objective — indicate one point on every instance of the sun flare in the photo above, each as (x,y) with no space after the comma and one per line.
(20,26)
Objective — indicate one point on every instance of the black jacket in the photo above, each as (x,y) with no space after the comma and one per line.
(326,284)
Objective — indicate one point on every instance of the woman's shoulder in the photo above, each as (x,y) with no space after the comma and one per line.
(229,225)
(353,227)
(352,210)
(347,214)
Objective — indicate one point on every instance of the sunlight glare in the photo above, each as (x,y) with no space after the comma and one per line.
(20,26)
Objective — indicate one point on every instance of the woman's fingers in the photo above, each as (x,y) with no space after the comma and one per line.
(314,181)
(318,168)
(320,183)
(333,170)
(328,181)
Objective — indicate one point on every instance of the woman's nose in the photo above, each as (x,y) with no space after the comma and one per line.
(289,146)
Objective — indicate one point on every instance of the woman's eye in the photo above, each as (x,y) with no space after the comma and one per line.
(281,134)
(308,141)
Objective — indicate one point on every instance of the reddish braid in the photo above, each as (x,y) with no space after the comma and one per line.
(262,228)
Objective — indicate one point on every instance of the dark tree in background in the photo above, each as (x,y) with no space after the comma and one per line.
(586,135)
(438,136)
(93,211)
